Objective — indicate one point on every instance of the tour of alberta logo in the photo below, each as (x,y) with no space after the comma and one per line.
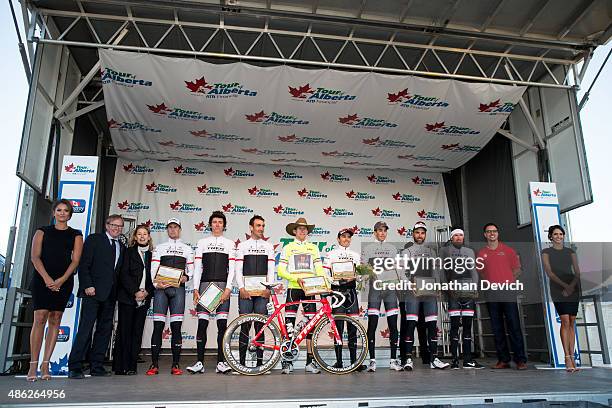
(128,79)
(155,226)
(361,231)
(456,147)
(207,190)
(218,136)
(405,99)
(236,209)
(319,232)
(441,128)
(237,173)
(337,153)
(286,211)
(221,90)
(267,152)
(424,181)
(405,198)
(334,177)
(310,194)
(357,122)
(187,171)
(260,192)
(319,95)
(429,215)
(404,232)
(78,169)
(359,195)
(543,193)
(184,146)
(175,112)
(132,168)
(415,157)
(178,206)
(131,126)
(201,227)
(384,213)
(304,140)
(496,107)
(275,118)
(132,207)
(286,175)
(337,212)
(159,188)
(378,179)
(378,142)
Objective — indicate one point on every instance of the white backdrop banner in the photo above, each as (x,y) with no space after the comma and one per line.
(186,109)
(151,192)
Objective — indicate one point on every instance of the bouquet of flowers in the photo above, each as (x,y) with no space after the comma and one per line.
(364,273)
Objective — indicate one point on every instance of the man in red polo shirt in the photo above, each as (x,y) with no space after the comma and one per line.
(500,264)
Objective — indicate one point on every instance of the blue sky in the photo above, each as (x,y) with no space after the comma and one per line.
(588,223)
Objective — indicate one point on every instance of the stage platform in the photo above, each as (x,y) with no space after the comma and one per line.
(423,386)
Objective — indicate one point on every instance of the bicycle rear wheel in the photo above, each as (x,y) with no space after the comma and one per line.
(340,359)
(244,357)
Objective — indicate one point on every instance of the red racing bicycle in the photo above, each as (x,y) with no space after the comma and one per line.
(339,342)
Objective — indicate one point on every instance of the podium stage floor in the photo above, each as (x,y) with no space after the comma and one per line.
(423,386)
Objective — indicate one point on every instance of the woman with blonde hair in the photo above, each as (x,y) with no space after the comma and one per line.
(134,292)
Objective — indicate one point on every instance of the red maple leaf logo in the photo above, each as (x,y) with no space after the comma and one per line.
(349,119)
(450,146)
(372,178)
(253,190)
(166,334)
(432,128)
(333,154)
(199,85)
(350,194)
(227,207)
(278,209)
(278,173)
(193,312)
(537,192)
(371,142)
(401,231)
(229,172)
(175,205)
(203,188)
(326,175)
(289,138)
(179,169)
(200,226)
(397,196)
(487,107)
(395,97)
(123,205)
(199,133)
(168,143)
(303,192)
(69,168)
(422,213)
(300,92)
(416,180)
(147,223)
(151,187)
(385,333)
(377,211)
(128,167)
(112,124)
(328,210)
(256,117)
(253,150)
(162,109)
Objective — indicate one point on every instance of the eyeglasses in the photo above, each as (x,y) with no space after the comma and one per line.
(491,231)
(116,225)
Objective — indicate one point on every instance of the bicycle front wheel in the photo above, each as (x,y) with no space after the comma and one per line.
(245,357)
(346,357)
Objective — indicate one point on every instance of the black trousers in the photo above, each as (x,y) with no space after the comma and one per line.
(101,314)
(130,325)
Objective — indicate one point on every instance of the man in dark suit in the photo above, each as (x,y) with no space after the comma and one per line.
(102,255)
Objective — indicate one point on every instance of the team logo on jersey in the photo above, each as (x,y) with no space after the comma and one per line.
(384,213)
(429,215)
(334,177)
(199,86)
(178,113)
(359,195)
(207,190)
(286,175)
(405,198)
(187,171)
(287,211)
(237,173)
(496,107)
(405,99)
(441,128)
(128,79)
(261,192)
(132,168)
(456,147)
(373,178)
(131,126)
(378,142)
(319,95)
(275,118)
(356,122)
(337,212)
(132,207)
(311,194)
(424,181)
(159,188)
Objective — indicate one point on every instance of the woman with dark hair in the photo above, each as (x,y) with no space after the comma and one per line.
(134,292)
(56,251)
(561,266)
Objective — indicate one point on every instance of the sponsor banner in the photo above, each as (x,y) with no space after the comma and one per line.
(190,110)
(331,199)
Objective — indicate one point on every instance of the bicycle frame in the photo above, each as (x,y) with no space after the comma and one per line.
(325,310)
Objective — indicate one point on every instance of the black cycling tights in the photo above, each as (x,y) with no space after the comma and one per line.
(393,335)
(352,341)
(432,337)
(243,342)
(466,322)
(176,341)
(201,338)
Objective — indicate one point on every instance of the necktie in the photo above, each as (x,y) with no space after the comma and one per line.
(114,251)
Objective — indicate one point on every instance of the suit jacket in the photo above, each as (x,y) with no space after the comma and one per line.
(97,268)
(130,276)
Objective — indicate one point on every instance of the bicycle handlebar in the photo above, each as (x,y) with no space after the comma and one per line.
(335,302)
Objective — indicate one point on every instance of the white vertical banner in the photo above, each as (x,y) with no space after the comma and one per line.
(77,184)
(545,213)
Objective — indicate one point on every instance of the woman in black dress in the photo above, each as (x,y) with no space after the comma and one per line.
(561,266)
(56,251)
(134,292)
